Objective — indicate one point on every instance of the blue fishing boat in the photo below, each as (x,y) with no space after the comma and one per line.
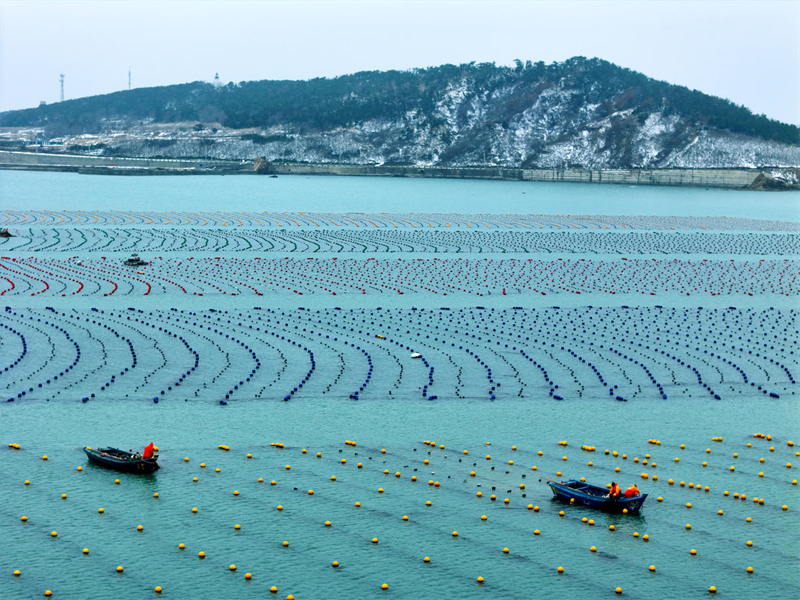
(120,460)
(593,496)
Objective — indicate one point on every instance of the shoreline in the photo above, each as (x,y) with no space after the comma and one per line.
(766,179)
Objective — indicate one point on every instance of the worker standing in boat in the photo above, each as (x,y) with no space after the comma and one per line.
(615,492)
(632,491)
(148,450)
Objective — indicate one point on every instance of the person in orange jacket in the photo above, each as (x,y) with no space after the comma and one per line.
(615,491)
(632,491)
(148,450)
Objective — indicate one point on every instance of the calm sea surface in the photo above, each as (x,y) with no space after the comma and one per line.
(53,191)
(195,425)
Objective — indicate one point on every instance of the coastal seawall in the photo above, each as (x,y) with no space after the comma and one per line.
(717,178)
(766,179)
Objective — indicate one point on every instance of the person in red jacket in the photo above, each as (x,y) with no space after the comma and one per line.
(632,491)
(615,491)
(148,450)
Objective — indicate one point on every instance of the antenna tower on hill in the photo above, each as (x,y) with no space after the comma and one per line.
(61,79)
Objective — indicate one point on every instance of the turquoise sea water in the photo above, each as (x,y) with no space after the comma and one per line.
(189,422)
(53,191)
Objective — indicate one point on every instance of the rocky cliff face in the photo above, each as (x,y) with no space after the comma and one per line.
(535,140)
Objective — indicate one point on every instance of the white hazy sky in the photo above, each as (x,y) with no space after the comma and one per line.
(746,51)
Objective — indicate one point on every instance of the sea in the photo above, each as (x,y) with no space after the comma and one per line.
(324,477)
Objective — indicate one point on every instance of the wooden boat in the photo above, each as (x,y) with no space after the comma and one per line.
(577,492)
(121,460)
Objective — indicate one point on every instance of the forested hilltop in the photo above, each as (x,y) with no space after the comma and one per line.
(577,113)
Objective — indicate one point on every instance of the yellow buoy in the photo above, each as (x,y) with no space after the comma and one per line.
(279,507)
(358,504)
(405,517)
(194,510)
(560,569)
(273,589)
(44,457)
(186,459)
(237,526)
(636,534)
(251,456)
(288,467)
(218,470)
(285,544)
(181,546)
(48,593)
(593,549)
(333,477)
(712,590)
(536,532)
(454,534)
(749,543)
(260,480)
(618,590)
(194,479)
(119,569)
(248,576)
(426,559)
(646,537)
(202,465)
(385,586)
(17,573)
(201,554)
(335,564)
(139,528)
(688,526)
(327,523)
(506,550)
(484,517)
(63,496)
(652,568)
(53,534)
(310,492)
(232,567)
(693,552)
(480,580)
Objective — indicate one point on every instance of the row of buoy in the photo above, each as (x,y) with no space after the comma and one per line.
(138,220)
(455,533)
(516,321)
(439,276)
(431,241)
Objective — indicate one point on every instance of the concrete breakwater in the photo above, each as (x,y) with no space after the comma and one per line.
(760,179)
(716,178)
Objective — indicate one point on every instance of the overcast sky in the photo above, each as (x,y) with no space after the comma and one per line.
(746,51)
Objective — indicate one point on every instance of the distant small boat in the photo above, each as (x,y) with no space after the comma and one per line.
(134,261)
(593,496)
(120,460)
(416,355)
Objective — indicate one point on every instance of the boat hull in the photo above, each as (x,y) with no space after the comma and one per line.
(576,492)
(111,458)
